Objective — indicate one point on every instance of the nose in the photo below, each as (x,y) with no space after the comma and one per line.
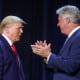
(21,30)
(58,24)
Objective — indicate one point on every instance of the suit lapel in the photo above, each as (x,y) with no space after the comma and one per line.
(69,42)
(9,49)
(6,45)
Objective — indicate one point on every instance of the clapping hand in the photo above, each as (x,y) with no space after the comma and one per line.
(41,48)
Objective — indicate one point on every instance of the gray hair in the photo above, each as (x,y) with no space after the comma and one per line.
(10,20)
(69,11)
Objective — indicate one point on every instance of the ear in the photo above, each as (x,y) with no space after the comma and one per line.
(67,20)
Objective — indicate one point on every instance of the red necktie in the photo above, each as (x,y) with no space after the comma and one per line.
(14,50)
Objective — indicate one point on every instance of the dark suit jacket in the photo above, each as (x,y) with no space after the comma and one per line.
(9,68)
(66,65)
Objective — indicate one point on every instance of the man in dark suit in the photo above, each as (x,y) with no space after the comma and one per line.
(10,65)
(66,64)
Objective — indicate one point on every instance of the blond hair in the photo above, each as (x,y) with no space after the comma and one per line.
(9,20)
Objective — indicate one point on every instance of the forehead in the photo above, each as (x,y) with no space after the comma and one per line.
(19,24)
(60,18)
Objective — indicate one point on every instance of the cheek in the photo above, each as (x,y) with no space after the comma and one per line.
(15,34)
(18,32)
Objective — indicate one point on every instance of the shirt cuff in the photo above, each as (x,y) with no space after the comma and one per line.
(47,59)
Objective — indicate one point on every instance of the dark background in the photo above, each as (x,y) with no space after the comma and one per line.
(41,19)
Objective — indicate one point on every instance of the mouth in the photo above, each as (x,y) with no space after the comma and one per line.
(20,36)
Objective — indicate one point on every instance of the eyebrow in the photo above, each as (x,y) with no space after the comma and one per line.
(20,27)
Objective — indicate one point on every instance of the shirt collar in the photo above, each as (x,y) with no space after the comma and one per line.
(8,40)
(74,30)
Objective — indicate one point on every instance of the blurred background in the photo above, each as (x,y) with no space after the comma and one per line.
(41,19)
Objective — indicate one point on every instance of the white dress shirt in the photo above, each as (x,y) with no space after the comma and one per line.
(8,40)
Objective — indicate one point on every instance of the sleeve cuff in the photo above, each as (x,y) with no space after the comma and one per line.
(47,59)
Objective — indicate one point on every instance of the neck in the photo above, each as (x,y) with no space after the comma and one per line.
(71,28)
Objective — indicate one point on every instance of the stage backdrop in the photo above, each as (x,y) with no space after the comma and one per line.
(41,19)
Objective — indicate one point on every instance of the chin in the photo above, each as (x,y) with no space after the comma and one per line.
(17,40)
